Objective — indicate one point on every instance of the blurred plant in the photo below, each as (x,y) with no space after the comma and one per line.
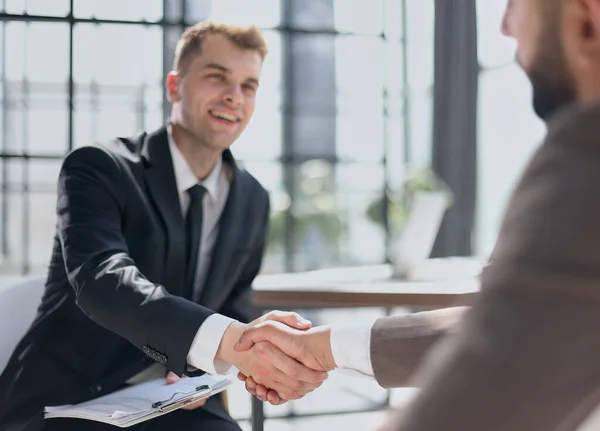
(399,203)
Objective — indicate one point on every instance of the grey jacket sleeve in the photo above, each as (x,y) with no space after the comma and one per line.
(399,343)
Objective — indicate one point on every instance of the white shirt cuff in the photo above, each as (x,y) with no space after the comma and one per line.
(351,349)
(206,343)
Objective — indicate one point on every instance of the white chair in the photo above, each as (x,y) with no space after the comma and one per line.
(18,307)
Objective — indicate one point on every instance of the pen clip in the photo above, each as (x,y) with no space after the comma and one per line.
(200,390)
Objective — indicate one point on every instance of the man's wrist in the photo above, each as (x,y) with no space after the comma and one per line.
(320,340)
(226,352)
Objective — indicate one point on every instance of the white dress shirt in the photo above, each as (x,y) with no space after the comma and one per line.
(351,349)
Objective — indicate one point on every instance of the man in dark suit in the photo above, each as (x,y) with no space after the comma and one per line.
(157,233)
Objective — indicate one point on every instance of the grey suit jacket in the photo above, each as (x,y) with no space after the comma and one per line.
(526,357)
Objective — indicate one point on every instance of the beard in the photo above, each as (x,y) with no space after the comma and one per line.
(552,84)
(550,95)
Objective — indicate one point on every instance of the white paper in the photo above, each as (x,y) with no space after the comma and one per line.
(134,403)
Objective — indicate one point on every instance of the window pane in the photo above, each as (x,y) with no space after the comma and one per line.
(395,151)
(31,217)
(360,70)
(359,16)
(37,118)
(103,112)
(262,139)
(130,10)
(121,54)
(421,127)
(420,43)
(508,133)
(2,43)
(47,120)
(494,48)
(393,20)
(360,136)
(394,69)
(271,75)
(37,7)
(263,13)
(197,10)
(29,48)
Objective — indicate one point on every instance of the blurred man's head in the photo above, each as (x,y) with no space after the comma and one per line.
(214,81)
(559,49)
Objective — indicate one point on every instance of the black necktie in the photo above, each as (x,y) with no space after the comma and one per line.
(193,230)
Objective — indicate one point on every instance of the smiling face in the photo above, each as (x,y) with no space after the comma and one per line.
(214,93)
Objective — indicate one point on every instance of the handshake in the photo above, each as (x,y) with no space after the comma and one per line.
(279,355)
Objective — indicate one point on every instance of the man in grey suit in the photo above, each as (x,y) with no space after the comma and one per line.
(525,357)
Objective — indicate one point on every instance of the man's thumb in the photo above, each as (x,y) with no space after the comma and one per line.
(249,338)
(172,377)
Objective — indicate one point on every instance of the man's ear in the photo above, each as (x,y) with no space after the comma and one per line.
(581,23)
(588,11)
(173,82)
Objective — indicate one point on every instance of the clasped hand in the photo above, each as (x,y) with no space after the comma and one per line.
(279,356)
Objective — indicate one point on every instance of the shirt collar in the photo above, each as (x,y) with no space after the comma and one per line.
(185,177)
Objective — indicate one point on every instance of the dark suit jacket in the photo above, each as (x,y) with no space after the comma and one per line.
(526,357)
(112,304)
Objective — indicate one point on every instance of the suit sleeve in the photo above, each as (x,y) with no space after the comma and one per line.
(400,343)
(526,356)
(238,305)
(109,288)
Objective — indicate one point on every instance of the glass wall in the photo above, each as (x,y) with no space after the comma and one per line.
(344,105)
(508,130)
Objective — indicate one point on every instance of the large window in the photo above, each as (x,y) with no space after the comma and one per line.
(508,130)
(344,106)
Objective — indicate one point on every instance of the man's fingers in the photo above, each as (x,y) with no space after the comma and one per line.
(259,391)
(172,377)
(274,398)
(288,377)
(195,405)
(290,318)
(292,368)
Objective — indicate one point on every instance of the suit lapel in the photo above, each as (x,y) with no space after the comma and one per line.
(160,179)
(215,291)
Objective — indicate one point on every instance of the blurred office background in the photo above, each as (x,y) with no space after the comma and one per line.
(356,96)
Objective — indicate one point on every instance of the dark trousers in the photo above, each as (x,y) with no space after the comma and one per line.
(201,419)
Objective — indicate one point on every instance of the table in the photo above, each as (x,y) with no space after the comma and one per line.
(369,286)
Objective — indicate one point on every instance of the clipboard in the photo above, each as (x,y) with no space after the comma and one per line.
(139,403)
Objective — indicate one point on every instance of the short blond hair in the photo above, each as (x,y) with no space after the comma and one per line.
(189,46)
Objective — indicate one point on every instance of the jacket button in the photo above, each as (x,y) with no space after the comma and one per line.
(162,359)
(146,350)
